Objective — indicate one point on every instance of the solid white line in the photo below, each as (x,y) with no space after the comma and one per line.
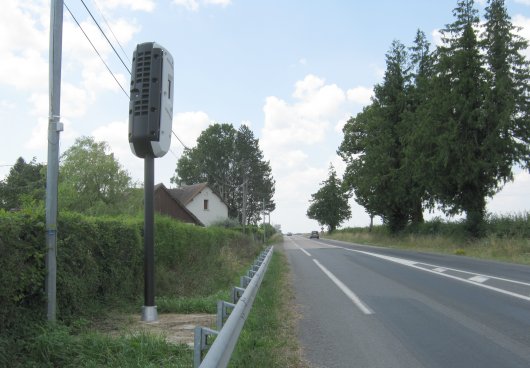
(440,269)
(412,264)
(350,294)
(302,249)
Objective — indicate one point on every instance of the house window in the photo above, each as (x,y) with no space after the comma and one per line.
(205,204)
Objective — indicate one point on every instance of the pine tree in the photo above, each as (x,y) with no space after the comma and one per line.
(415,124)
(373,147)
(507,103)
(460,182)
(25,182)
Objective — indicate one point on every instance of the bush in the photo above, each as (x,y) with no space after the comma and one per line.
(100,264)
(100,261)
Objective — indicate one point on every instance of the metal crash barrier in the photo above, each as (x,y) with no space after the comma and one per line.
(230,324)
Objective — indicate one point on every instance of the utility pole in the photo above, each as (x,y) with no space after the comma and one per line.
(52,174)
(244,209)
(264,230)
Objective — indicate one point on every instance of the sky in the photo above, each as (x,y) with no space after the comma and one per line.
(293,71)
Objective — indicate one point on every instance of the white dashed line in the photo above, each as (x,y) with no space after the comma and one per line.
(479,279)
(414,264)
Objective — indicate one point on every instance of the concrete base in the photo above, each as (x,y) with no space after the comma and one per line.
(149,314)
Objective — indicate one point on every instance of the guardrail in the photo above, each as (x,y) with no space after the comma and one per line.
(229,325)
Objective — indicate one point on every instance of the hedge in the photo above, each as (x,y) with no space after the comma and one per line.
(100,262)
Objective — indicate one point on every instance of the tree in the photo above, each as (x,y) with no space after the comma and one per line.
(507,103)
(91,180)
(461,182)
(479,113)
(329,205)
(25,182)
(374,148)
(229,159)
(413,124)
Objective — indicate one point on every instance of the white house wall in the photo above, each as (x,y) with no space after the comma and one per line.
(217,210)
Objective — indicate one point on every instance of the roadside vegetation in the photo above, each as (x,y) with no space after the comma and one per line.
(507,238)
(100,279)
(268,338)
(446,128)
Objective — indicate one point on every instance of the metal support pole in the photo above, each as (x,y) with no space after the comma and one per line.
(149,312)
(264,230)
(52,170)
(244,209)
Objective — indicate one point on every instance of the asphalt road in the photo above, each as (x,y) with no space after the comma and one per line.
(366,306)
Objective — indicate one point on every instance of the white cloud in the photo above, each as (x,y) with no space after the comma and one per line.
(513,198)
(524,2)
(360,95)
(137,5)
(194,5)
(189,125)
(39,135)
(27,71)
(222,3)
(524,23)
(437,37)
(22,26)
(306,121)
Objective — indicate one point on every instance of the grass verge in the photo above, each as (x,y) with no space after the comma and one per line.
(268,338)
(58,346)
(493,247)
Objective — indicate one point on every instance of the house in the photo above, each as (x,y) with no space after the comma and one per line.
(199,200)
(166,204)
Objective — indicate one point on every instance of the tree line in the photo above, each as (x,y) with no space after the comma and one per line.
(93,182)
(446,126)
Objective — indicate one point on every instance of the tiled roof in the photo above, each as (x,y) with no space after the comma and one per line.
(187,193)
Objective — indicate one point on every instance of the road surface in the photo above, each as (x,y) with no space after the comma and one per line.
(367,306)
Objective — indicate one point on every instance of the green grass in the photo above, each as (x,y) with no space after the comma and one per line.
(205,304)
(58,346)
(507,239)
(268,338)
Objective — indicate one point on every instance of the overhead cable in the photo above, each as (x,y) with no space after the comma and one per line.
(104,35)
(95,49)
(110,29)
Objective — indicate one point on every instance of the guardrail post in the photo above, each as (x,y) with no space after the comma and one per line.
(222,312)
(201,343)
(236,294)
(244,281)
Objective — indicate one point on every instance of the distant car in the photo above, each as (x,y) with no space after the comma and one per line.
(314,234)
(289,234)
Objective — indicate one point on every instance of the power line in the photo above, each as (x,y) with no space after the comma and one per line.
(183,145)
(95,49)
(110,29)
(104,35)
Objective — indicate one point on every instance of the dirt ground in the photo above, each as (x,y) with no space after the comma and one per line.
(176,328)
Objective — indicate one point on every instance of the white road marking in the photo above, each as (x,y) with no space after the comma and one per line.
(480,279)
(440,269)
(302,249)
(350,294)
(413,264)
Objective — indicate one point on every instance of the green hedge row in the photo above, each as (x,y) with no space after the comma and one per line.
(100,262)
(506,226)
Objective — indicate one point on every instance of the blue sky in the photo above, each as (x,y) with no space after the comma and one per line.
(294,71)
